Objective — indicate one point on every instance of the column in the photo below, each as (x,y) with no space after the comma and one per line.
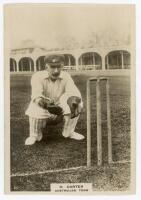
(103,62)
(107,61)
(34,65)
(17,61)
(76,62)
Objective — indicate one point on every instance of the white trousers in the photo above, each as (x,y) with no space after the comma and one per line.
(37,126)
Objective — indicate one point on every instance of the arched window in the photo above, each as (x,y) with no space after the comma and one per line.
(118,60)
(91,59)
(26,64)
(13,65)
(40,64)
(69,60)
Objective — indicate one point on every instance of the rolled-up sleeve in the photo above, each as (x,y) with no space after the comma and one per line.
(71,89)
(36,87)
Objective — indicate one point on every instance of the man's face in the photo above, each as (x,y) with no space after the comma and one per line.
(54,70)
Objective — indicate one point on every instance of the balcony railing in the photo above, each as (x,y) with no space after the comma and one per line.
(82,67)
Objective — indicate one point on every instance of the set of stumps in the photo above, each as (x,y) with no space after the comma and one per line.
(97,80)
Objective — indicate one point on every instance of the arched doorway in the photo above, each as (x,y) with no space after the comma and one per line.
(26,64)
(40,64)
(13,65)
(69,60)
(118,60)
(91,60)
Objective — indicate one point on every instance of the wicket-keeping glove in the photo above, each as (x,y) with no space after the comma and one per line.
(74,104)
(48,104)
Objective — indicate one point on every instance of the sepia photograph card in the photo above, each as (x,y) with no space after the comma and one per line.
(69,74)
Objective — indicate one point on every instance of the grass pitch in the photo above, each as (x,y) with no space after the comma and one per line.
(55,152)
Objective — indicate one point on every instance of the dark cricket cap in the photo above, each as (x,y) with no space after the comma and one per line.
(54,59)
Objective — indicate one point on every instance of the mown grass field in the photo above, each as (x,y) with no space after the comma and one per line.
(55,152)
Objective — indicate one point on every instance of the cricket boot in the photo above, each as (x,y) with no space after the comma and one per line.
(69,127)
(36,127)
